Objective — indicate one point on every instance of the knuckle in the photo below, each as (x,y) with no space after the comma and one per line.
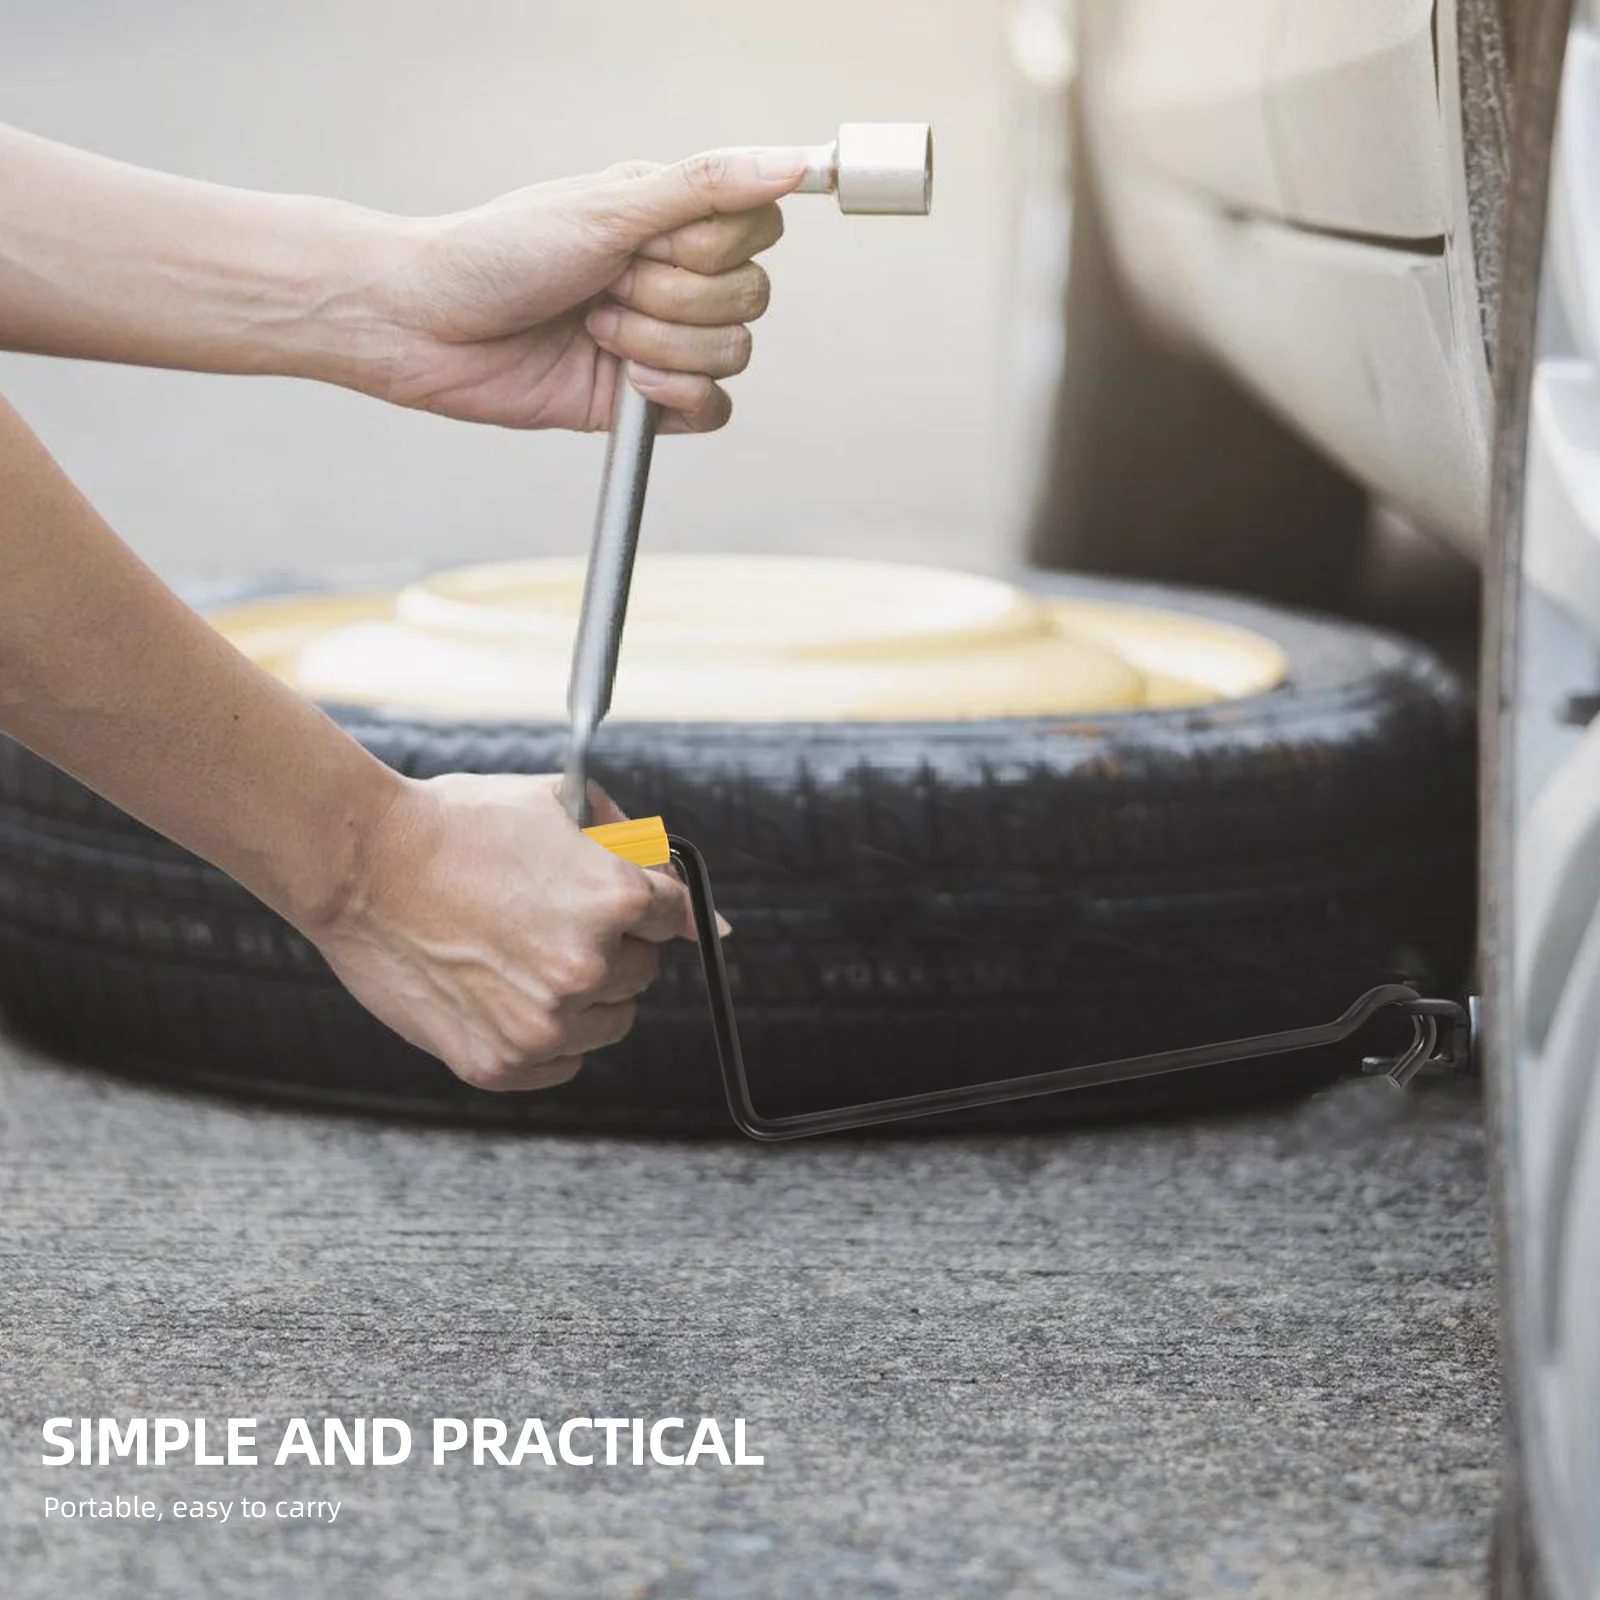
(740,346)
(576,971)
(712,413)
(706,173)
(489,1067)
(614,214)
(732,249)
(695,391)
(680,294)
(537,1033)
(626,899)
(619,1024)
(756,294)
(693,251)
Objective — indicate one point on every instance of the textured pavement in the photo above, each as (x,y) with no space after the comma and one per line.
(1247,1356)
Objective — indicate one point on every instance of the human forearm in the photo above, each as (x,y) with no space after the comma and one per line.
(108,674)
(116,263)
(465,911)
(519,312)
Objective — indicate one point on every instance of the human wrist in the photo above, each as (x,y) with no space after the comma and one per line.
(326,873)
(107,262)
(330,303)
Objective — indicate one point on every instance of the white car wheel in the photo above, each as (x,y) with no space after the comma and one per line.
(1542,793)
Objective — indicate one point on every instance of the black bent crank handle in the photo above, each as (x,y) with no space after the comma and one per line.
(1443,1032)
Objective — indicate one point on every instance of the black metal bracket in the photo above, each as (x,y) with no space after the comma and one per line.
(1444,1039)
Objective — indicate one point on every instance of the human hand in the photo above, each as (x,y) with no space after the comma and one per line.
(486,929)
(520,312)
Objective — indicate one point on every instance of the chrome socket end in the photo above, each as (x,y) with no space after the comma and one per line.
(875,169)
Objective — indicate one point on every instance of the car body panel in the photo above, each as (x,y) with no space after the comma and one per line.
(1382,172)
(1321,114)
(1179,90)
(1355,343)
(1277,187)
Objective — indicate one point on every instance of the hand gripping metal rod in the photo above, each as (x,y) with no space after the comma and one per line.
(623,482)
(872,168)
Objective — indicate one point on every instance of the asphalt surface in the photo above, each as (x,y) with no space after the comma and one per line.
(1246,1356)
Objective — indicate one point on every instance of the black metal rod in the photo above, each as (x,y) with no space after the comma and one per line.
(691,867)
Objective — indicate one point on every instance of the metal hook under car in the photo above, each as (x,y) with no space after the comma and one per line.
(1430,1018)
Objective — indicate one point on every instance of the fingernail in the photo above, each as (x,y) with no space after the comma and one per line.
(624,284)
(780,162)
(650,377)
(724,927)
(603,324)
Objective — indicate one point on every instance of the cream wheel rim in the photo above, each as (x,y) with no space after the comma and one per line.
(752,639)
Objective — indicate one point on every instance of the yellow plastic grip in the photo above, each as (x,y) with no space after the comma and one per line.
(643,841)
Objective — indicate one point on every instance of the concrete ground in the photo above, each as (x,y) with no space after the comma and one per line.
(1249,1356)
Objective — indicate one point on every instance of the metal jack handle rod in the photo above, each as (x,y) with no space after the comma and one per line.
(623,482)
(1444,1033)
(1425,1016)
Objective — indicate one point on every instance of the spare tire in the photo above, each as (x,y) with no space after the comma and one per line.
(914,903)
